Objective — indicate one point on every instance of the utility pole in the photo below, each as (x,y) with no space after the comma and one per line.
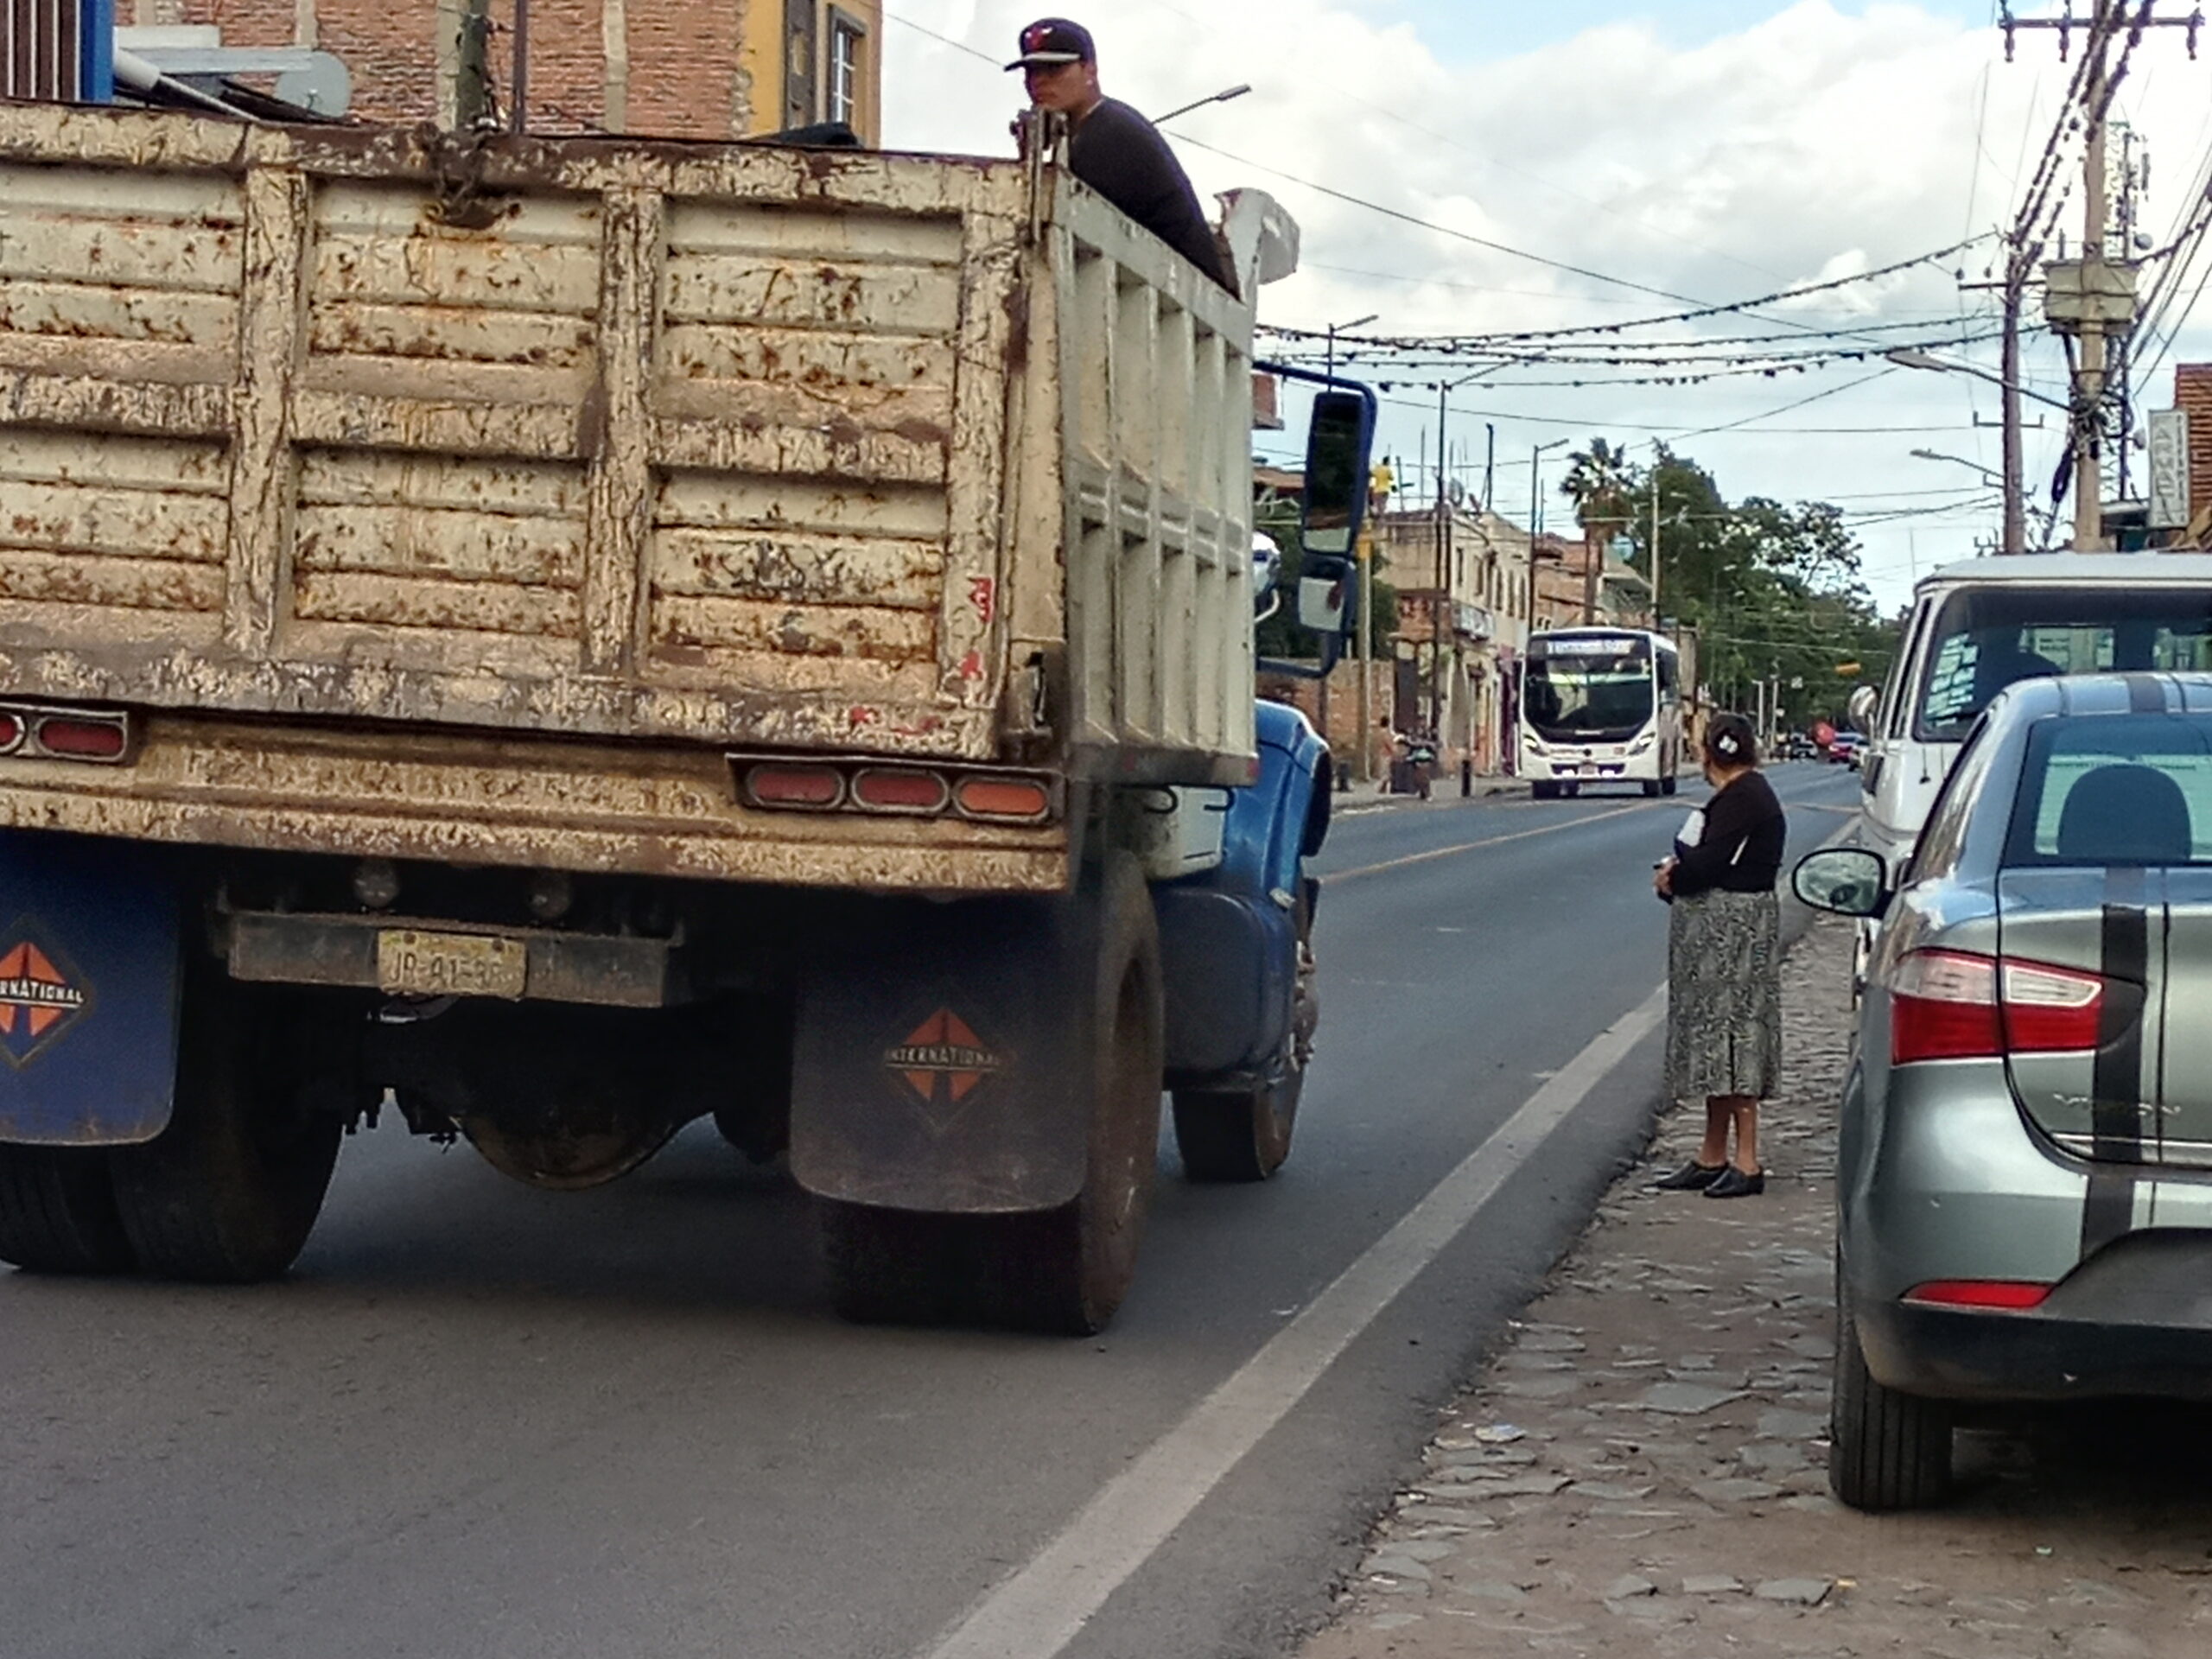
(2091,298)
(1655,547)
(1443,579)
(1363,693)
(519,112)
(476,108)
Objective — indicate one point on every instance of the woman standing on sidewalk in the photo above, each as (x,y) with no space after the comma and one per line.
(1724,962)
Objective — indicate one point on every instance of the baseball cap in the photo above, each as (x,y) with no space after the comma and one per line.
(1050,41)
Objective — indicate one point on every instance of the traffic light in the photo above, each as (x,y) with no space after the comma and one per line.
(1847,671)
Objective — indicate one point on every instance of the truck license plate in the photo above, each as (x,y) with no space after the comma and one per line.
(450,964)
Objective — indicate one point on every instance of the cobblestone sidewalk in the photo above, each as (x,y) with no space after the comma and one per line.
(1640,1472)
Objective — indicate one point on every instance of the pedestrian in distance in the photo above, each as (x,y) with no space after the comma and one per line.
(1724,962)
(1112,148)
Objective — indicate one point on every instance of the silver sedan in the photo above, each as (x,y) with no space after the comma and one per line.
(2025,1172)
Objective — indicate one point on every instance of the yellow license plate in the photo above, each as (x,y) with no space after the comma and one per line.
(450,964)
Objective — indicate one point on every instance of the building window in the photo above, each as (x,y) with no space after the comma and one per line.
(841,90)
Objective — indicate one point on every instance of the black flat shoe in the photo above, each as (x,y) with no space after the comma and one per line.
(1691,1177)
(1732,1183)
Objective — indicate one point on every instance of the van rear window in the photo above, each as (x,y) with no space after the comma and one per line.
(1986,639)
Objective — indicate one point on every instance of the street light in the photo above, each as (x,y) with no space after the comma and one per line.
(1995,477)
(1221,96)
(1356,323)
(2016,503)
(1906,358)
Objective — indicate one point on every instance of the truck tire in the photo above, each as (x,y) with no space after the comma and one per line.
(1887,1451)
(1236,1137)
(57,1211)
(228,1192)
(1075,1264)
(1244,1136)
(891,1266)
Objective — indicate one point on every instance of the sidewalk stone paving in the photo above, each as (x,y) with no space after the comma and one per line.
(1639,1469)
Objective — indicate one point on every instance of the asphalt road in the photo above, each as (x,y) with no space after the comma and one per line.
(479,1420)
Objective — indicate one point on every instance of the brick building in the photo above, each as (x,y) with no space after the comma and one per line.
(681,68)
(2193,396)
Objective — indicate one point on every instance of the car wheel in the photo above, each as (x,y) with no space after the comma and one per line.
(1886,1449)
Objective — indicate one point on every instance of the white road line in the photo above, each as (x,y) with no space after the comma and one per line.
(1045,1604)
(1458,846)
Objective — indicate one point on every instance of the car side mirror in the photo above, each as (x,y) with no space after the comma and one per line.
(1861,707)
(1845,881)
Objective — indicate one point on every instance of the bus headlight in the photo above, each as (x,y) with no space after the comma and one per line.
(1640,744)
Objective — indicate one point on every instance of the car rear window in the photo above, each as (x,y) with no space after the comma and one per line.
(2115,789)
(1986,637)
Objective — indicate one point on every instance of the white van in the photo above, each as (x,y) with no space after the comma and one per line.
(1976,627)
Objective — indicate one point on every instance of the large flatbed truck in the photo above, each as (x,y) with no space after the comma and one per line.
(559,639)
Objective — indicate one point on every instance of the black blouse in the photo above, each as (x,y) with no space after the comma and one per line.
(1740,847)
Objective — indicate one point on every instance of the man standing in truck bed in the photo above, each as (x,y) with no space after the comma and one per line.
(1114,150)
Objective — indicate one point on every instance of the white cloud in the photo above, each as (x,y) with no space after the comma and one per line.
(1810,146)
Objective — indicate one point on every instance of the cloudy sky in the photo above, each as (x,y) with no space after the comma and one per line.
(1712,149)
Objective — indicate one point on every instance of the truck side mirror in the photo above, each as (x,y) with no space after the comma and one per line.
(1328,596)
(1339,444)
(1861,707)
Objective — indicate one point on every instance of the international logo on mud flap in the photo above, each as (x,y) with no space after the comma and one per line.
(943,1059)
(40,998)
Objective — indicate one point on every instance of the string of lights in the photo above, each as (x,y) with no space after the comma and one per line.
(1732,307)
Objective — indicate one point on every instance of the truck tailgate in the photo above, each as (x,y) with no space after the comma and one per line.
(600,437)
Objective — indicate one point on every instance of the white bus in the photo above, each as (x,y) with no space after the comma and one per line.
(1597,706)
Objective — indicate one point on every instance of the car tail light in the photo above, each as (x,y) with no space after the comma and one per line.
(2050,1010)
(890,790)
(1957,1005)
(11,733)
(818,789)
(1943,1006)
(2013,1294)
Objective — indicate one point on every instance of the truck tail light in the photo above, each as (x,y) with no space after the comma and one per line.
(102,736)
(71,737)
(1012,799)
(1957,1005)
(867,783)
(2013,1296)
(885,789)
(809,789)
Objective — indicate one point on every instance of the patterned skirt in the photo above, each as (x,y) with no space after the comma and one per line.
(1723,995)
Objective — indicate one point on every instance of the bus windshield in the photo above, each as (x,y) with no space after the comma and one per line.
(1590,691)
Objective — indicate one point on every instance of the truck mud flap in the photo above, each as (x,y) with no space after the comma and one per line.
(90,936)
(939,1061)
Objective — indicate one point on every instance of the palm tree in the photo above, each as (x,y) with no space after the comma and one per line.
(1601,484)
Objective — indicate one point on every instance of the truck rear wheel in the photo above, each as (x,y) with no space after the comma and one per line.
(1075,1264)
(1236,1137)
(893,1267)
(228,1192)
(57,1211)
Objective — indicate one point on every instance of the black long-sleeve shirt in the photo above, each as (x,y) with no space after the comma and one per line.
(1122,156)
(1734,844)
